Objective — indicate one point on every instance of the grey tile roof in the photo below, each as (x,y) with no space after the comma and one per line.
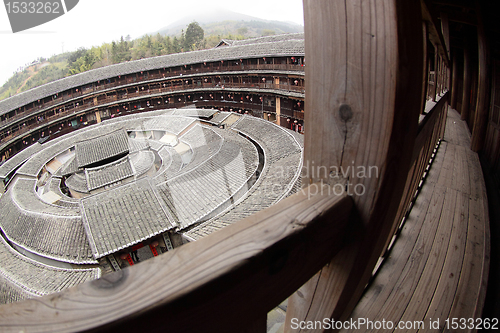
(171,169)
(108,174)
(135,145)
(283,162)
(261,48)
(277,143)
(30,277)
(18,159)
(10,292)
(54,185)
(194,113)
(98,149)
(266,39)
(22,191)
(123,216)
(220,117)
(194,195)
(166,159)
(68,168)
(78,182)
(142,162)
(57,236)
(169,123)
(48,151)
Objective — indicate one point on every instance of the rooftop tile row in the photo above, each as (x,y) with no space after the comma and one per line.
(142,161)
(57,237)
(108,174)
(36,278)
(123,216)
(195,194)
(282,168)
(92,151)
(261,48)
(22,191)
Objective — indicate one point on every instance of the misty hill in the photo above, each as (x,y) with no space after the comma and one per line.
(223,22)
(217,25)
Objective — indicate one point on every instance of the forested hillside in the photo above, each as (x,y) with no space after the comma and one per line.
(126,49)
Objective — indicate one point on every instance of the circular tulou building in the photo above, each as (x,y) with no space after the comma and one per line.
(110,167)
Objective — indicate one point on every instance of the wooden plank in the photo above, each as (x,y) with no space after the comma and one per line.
(481,114)
(446,177)
(466,85)
(469,299)
(461,180)
(444,295)
(395,305)
(221,283)
(427,284)
(478,190)
(361,73)
(385,282)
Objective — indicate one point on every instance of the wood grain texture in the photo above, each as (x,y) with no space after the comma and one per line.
(482,105)
(225,282)
(466,85)
(364,83)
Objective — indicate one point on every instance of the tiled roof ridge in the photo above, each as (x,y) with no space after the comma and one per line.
(170,60)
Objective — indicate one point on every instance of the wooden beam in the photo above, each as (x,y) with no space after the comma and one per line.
(225,282)
(464,114)
(481,115)
(445,30)
(425,81)
(365,66)
(435,35)
(454,85)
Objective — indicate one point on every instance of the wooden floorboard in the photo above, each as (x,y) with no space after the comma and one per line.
(400,273)
(426,288)
(448,281)
(438,266)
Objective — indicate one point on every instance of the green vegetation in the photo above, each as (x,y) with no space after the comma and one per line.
(81,60)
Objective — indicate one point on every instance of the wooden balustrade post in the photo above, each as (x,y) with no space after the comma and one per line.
(364,73)
(454,83)
(464,114)
(481,114)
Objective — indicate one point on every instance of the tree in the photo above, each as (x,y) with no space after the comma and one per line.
(194,37)
(242,31)
(268,32)
(176,46)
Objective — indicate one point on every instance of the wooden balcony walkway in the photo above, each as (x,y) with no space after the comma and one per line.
(438,266)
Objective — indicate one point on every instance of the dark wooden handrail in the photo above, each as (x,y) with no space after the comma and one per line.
(427,125)
(211,285)
(362,107)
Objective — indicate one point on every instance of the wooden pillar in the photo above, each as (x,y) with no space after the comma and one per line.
(98,116)
(364,71)
(278,110)
(445,29)
(436,74)
(425,81)
(481,115)
(439,74)
(454,84)
(464,114)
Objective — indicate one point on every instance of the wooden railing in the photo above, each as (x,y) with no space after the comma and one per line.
(151,78)
(364,99)
(211,285)
(144,95)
